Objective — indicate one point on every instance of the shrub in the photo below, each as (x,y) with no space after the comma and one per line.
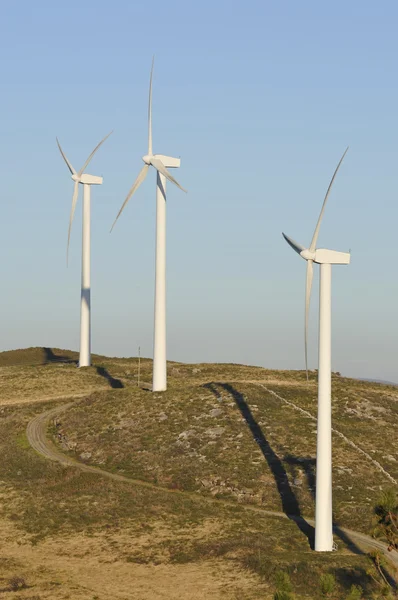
(355,593)
(327,583)
(283,583)
(386,518)
(280,595)
(16,583)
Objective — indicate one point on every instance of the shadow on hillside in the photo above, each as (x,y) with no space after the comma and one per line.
(348,577)
(50,357)
(308,464)
(289,501)
(114,383)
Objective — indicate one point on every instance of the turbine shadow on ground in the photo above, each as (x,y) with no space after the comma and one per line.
(289,501)
(114,383)
(309,464)
(290,504)
(50,357)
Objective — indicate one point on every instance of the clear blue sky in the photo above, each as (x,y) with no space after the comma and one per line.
(259,99)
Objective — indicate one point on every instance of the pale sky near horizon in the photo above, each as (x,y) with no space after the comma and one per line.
(260,100)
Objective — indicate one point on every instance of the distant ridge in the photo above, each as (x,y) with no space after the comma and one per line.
(43,355)
(40,355)
(381,381)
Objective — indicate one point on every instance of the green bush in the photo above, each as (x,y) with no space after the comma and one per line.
(355,593)
(327,583)
(386,518)
(283,583)
(280,595)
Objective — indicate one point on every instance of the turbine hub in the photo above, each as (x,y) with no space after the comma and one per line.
(75,177)
(307,254)
(147,159)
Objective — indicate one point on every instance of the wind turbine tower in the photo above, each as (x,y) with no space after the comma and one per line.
(161,163)
(85,299)
(325,258)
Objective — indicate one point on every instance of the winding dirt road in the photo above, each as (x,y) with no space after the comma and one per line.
(36,433)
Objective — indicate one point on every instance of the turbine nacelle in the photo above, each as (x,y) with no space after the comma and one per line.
(320,255)
(87,179)
(168,161)
(331,257)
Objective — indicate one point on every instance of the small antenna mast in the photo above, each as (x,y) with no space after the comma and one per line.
(139,365)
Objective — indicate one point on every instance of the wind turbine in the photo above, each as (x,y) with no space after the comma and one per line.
(85,302)
(325,258)
(160,162)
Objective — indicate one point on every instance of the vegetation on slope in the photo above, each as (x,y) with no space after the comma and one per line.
(240,441)
(230,439)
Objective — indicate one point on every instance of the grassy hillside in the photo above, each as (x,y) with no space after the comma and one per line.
(214,433)
(220,432)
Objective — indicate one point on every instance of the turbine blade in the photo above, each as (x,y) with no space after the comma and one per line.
(308,286)
(150,112)
(141,176)
(316,232)
(159,166)
(72,212)
(71,169)
(92,154)
(295,245)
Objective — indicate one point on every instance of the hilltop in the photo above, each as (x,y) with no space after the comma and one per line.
(196,477)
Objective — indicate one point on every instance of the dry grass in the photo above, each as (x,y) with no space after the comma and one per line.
(75,535)
(239,441)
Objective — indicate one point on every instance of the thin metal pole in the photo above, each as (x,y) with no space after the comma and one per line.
(139,365)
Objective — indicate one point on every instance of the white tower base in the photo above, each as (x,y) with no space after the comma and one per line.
(159,381)
(85,301)
(323,501)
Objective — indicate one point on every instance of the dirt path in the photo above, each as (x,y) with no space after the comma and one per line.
(18,401)
(36,433)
